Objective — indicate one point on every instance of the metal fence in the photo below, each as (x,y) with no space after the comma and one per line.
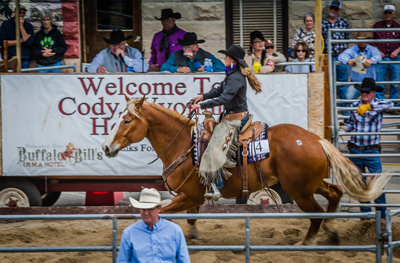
(383,240)
(73,66)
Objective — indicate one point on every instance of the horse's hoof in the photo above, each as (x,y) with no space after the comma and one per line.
(335,238)
(194,233)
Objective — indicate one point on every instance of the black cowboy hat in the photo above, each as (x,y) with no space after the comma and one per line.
(368,84)
(167,13)
(237,53)
(189,38)
(116,37)
(256,34)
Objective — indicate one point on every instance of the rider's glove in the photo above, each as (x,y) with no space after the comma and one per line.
(363,109)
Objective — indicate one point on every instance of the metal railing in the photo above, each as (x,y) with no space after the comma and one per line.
(73,66)
(380,243)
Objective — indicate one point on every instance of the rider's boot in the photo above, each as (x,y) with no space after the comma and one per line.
(214,194)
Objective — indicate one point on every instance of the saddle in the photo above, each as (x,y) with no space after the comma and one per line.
(248,133)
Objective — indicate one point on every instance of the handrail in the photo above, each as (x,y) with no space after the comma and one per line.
(73,66)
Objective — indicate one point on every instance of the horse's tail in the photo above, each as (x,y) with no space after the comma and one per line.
(350,178)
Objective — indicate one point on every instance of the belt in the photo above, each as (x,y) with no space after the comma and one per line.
(235,116)
(363,148)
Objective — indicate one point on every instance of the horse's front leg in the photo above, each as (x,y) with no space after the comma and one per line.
(180,203)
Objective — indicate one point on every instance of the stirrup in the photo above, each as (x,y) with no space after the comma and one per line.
(213,195)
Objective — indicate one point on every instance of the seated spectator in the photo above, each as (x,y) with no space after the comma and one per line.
(257,52)
(116,58)
(184,60)
(274,57)
(7,32)
(347,57)
(301,53)
(306,34)
(165,42)
(49,46)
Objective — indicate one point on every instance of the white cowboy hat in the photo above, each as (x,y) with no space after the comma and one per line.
(149,198)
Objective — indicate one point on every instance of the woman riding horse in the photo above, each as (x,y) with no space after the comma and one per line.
(221,151)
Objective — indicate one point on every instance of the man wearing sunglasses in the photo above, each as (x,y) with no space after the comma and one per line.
(7,32)
(334,21)
(389,52)
(367,118)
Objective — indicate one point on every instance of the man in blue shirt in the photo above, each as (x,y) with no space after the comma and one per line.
(153,239)
(184,60)
(373,56)
(7,32)
(117,57)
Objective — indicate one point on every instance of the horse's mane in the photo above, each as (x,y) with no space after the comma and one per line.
(131,106)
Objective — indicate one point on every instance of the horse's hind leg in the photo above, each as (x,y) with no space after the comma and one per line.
(192,222)
(333,193)
(309,205)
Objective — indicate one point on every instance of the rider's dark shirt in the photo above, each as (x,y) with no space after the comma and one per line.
(231,93)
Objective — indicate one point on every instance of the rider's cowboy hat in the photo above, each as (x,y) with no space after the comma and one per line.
(237,53)
(189,38)
(167,13)
(116,37)
(368,84)
(149,198)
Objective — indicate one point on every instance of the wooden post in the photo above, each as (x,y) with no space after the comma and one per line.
(18,36)
(318,35)
(5,55)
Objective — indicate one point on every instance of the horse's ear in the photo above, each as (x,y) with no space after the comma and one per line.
(139,105)
(127,98)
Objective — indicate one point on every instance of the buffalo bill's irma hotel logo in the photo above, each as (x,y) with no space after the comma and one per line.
(45,157)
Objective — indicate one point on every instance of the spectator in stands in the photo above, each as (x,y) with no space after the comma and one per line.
(367,118)
(152,239)
(257,52)
(274,57)
(165,42)
(334,21)
(301,53)
(184,60)
(348,57)
(49,46)
(306,34)
(117,57)
(389,52)
(7,32)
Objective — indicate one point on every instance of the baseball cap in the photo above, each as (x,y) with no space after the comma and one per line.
(336,3)
(21,7)
(389,8)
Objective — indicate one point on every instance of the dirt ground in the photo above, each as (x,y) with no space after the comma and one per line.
(213,232)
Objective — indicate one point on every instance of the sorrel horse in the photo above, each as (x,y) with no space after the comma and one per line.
(299,167)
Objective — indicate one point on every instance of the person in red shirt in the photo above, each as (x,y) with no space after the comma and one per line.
(389,52)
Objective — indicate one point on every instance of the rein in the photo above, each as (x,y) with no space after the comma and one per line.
(190,116)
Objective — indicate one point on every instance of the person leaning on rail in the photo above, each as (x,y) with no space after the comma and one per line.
(49,46)
(258,53)
(184,60)
(389,52)
(117,57)
(348,57)
(165,42)
(7,32)
(301,53)
(306,34)
(152,239)
(367,118)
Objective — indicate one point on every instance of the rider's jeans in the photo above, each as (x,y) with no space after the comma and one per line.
(220,182)
(374,166)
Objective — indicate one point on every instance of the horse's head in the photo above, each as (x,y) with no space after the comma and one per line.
(130,128)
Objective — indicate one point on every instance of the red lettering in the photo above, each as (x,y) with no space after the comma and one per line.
(219,111)
(201,83)
(80,108)
(101,104)
(180,86)
(95,126)
(215,84)
(180,104)
(109,86)
(60,106)
(128,91)
(148,88)
(162,88)
(87,89)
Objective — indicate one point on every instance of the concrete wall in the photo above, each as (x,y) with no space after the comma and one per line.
(205,18)
(359,13)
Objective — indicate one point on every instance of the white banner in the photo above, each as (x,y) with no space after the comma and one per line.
(56,124)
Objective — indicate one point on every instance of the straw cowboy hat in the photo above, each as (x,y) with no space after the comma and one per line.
(149,198)
(116,37)
(363,35)
(237,53)
(368,84)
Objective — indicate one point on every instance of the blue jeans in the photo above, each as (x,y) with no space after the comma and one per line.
(374,166)
(342,76)
(59,63)
(220,182)
(394,73)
